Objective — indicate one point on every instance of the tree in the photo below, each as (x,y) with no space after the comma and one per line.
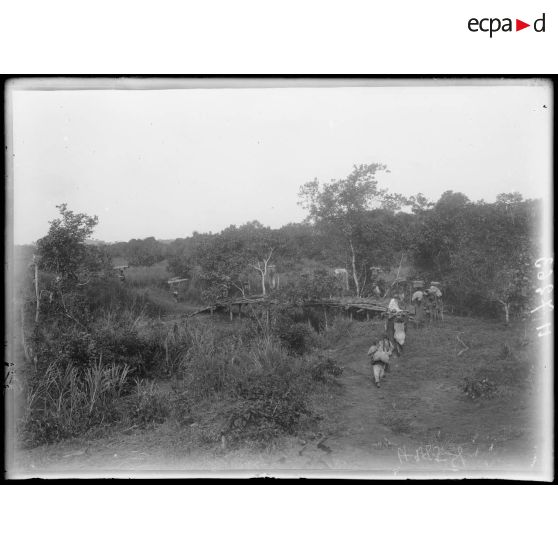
(511,202)
(67,264)
(339,208)
(420,203)
(259,245)
(494,256)
(145,252)
(219,262)
(512,198)
(439,233)
(502,277)
(310,286)
(226,261)
(482,252)
(63,250)
(299,241)
(262,266)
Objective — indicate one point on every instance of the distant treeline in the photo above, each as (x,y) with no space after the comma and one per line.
(482,253)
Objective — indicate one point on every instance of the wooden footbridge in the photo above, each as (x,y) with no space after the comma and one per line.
(368,307)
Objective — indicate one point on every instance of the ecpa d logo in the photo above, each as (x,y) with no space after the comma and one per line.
(492,25)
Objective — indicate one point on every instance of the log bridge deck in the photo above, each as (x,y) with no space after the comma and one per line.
(350,305)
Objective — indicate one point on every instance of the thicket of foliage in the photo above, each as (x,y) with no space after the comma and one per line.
(95,344)
(342,210)
(482,253)
(138,252)
(259,376)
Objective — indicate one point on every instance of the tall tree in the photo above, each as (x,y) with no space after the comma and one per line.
(226,261)
(63,249)
(440,230)
(260,246)
(71,262)
(339,208)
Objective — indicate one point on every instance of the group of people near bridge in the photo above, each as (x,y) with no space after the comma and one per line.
(427,303)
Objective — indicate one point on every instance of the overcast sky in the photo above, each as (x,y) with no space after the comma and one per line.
(165,163)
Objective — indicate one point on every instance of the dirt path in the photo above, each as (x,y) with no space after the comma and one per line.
(419,420)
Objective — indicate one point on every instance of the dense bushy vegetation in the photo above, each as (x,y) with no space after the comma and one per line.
(481,252)
(139,252)
(260,380)
(94,344)
(484,253)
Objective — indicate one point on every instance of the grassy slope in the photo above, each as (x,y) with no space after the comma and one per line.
(422,410)
(420,419)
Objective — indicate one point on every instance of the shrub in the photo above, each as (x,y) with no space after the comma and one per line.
(272,395)
(246,384)
(397,424)
(122,345)
(169,345)
(295,337)
(324,369)
(148,276)
(64,347)
(257,390)
(475,388)
(147,405)
(340,329)
(268,405)
(181,409)
(207,363)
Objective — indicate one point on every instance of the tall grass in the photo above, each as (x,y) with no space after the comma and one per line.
(341,328)
(256,378)
(66,401)
(155,275)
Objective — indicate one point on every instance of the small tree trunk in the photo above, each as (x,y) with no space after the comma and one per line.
(399,268)
(36,289)
(23,341)
(507,311)
(263,282)
(353,263)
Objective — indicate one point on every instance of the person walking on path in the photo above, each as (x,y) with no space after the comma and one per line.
(418,303)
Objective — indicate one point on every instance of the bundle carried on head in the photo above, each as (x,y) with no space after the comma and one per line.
(380,351)
(399,332)
(417,295)
(381,356)
(393,305)
(435,291)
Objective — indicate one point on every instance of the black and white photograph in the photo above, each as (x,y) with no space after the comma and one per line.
(330,278)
